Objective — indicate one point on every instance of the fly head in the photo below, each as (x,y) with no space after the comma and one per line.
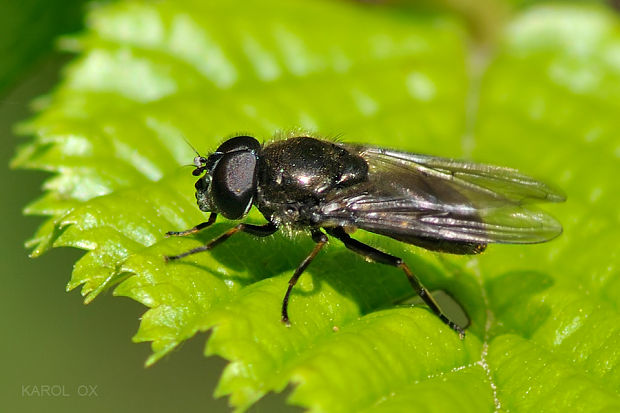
(229,182)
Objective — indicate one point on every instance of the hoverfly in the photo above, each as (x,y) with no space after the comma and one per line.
(332,188)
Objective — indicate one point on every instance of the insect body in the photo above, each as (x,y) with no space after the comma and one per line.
(329,188)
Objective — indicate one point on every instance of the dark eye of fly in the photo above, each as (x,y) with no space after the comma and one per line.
(239,143)
(328,188)
(234,183)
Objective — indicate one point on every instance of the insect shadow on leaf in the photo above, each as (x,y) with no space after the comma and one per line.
(522,309)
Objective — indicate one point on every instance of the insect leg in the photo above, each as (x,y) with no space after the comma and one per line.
(209,222)
(383,258)
(258,230)
(321,240)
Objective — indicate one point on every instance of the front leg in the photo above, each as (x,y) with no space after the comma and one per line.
(321,240)
(201,226)
(258,230)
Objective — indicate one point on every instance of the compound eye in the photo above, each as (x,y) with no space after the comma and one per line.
(239,143)
(233,183)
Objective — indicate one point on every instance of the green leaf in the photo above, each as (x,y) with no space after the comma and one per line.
(544,329)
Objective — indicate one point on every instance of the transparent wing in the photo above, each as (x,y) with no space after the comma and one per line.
(411,196)
(497,181)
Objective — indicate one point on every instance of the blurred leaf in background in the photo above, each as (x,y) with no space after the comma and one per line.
(28,30)
(540,96)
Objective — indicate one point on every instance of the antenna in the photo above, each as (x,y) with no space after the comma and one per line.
(191,146)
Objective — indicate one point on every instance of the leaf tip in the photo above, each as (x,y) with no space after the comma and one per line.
(152,359)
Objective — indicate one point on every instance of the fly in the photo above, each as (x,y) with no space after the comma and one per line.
(329,188)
